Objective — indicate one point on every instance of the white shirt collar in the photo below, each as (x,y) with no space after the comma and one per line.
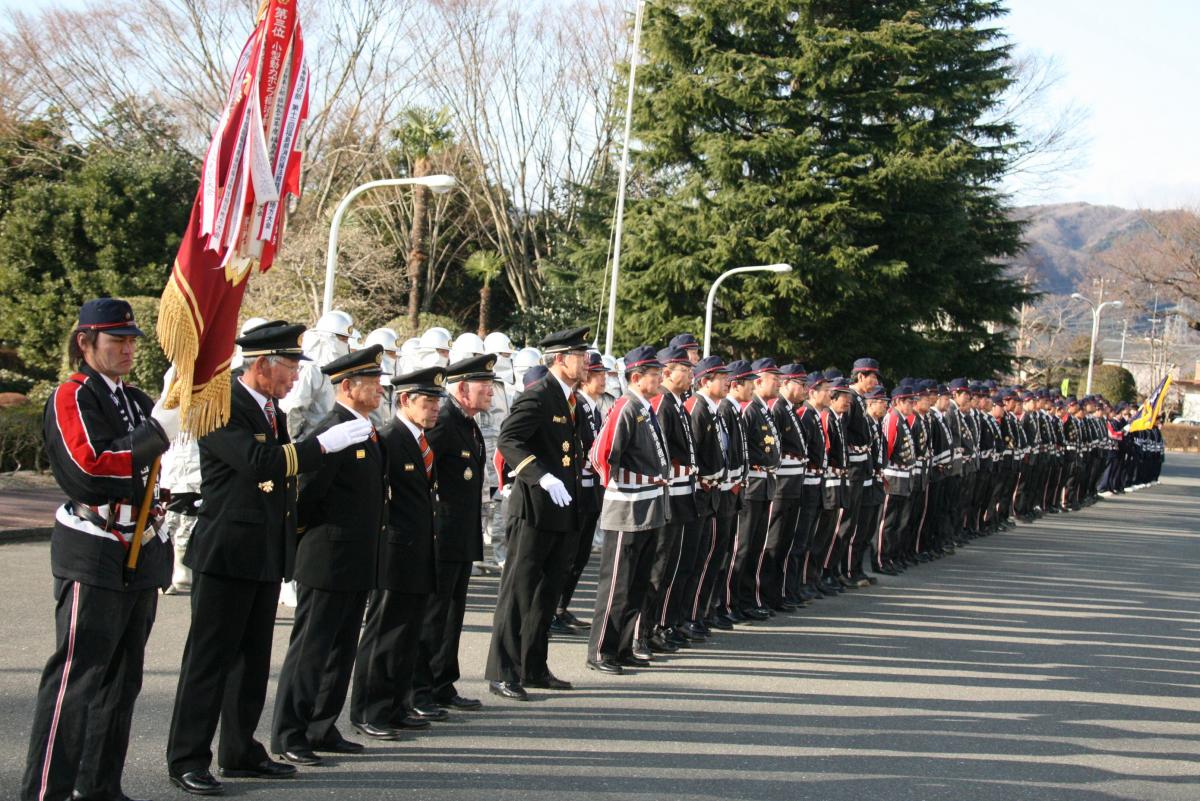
(567,389)
(112,385)
(712,404)
(352,411)
(415,429)
(259,398)
(637,395)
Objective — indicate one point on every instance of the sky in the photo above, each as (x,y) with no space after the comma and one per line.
(1131,66)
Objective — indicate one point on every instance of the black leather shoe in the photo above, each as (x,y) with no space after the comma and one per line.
(629,660)
(301,756)
(378,732)
(560,626)
(456,701)
(508,689)
(660,645)
(754,614)
(888,571)
(676,638)
(410,722)
(267,769)
(549,682)
(692,631)
(641,650)
(607,666)
(78,796)
(722,622)
(863,579)
(784,607)
(429,712)
(339,745)
(197,782)
(571,620)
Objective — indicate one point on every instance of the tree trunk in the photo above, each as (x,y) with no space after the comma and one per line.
(417,249)
(485,300)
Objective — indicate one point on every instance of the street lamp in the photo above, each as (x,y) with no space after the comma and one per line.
(712,293)
(438,184)
(1116,304)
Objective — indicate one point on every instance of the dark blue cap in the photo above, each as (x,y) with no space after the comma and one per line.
(927,386)
(595,362)
(673,354)
(741,370)
(960,385)
(535,374)
(833,373)
(815,380)
(942,389)
(877,392)
(990,384)
(710,365)
(685,341)
(865,365)
(110,315)
(792,372)
(766,365)
(902,391)
(839,385)
(1042,394)
(642,357)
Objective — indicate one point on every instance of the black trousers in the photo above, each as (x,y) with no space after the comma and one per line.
(387,657)
(681,591)
(530,587)
(662,569)
(928,534)
(583,554)
(437,651)
(712,595)
(226,664)
(625,563)
(315,676)
(848,525)
(985,487)
(800,558)
(87,691)
(783,518)
(966,496)
(866,534)
(893,523)
(824,543)
(748,542)
(917,512)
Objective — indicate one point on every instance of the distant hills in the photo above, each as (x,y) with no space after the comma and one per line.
(1063,239)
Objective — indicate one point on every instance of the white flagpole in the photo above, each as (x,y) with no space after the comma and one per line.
(616,265)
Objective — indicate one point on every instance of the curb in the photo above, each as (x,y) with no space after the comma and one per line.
(25,534)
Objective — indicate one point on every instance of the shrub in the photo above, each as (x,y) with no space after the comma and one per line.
(21,438)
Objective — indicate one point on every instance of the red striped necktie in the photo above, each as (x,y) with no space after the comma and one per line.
(426,455)
(269,409)
(571,403)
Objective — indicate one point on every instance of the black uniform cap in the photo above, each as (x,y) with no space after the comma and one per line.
(365,362)
(563,341)
(110,315)
(474,368)
(276,338)
(427,381)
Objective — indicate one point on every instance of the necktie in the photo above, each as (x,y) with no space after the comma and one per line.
(374,435)
(571,403)
(269,410)
(426,455)
(123,404)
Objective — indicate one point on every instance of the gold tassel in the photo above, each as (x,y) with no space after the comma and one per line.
(208,409)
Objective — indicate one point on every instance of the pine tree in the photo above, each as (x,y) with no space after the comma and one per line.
(846,137)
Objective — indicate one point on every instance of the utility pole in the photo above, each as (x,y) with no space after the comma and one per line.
(1124,332)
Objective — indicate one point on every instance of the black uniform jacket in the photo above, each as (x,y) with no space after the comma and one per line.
(246,526)
(460,457)
(589,417)
(793,450)
(98,461)
(676,428)
(737,458)
(538,437)
(762,444)
(707,427)
(408,561)
(341,511)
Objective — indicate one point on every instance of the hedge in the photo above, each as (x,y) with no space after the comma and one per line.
(1181,437)
(21,439)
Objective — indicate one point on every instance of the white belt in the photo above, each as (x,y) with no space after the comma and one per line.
(587,482)
(859,457)
(758,474)
(811,480)
(790,470)
(892,472)
(868,482)
(630,478)
(125,515)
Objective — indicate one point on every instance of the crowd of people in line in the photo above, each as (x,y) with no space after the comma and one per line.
(365,483)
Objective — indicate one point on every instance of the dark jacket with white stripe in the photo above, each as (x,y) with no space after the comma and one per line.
(100,453)
(676,427)
(737,458)
(762,445)
(634,466)
(707,429)
(793,453)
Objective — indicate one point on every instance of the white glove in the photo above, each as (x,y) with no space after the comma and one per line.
(167,418)
(558,491)
(343,435)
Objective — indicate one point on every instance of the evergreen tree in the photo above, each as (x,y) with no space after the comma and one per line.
(846,137)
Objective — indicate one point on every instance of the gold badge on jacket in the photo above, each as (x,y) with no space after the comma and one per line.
(468,474)
(566,447)
(408,468)
(769,440)
(566,461)
(465,454)
(558,419)
(267,486)
(360,454)
(260,437)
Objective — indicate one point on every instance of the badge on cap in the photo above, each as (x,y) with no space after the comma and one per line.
(437,379)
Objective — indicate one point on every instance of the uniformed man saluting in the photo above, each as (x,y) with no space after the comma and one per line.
(101,439)
(341,511)
(243,546)
(540,442)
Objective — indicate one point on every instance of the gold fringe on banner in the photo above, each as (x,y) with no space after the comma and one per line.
(202,409)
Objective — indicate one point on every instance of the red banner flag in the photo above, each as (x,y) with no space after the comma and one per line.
(252,165)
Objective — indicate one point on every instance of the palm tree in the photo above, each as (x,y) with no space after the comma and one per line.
(484,265)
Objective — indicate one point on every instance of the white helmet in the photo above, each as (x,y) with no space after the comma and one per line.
(252,323)
(435,339)
(410,346)
(334,322)
(355,339)
(526,358)
(444,331)
(385,337)
(498,343)
(610,363)
(466,346)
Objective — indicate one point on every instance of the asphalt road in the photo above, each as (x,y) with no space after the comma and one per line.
(1056,661)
